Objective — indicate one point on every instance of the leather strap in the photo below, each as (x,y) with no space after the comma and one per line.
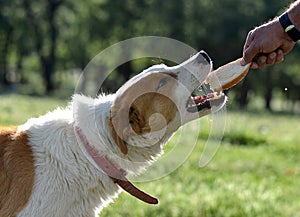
(289,27)
(117,175)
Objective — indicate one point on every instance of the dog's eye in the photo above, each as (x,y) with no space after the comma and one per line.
(162,82)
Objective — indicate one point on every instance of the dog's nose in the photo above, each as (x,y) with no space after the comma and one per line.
(205,55)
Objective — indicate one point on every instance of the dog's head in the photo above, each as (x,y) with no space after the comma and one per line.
(151,106)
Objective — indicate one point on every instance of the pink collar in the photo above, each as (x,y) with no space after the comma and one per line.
(117,175)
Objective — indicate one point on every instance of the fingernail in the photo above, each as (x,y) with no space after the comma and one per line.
(254,66)
(273,55)
(243,62)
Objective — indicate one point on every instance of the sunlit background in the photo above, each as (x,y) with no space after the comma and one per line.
(45,45)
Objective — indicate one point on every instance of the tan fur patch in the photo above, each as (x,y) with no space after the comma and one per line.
(137,105)
(16,171)
(146,107)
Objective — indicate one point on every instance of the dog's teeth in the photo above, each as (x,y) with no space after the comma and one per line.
(211,95)
(199,100)
(196,98)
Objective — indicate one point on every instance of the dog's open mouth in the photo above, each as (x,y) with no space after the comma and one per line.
(204,98)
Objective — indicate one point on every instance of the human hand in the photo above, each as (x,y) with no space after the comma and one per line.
(266,45)
(264,59)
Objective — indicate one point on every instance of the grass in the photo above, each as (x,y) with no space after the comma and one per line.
(241,180)
(17,109)
(256,171)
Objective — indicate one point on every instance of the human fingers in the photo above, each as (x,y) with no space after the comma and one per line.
(271,58)
(262,60)
(259,61)
(254,65)
(280,56)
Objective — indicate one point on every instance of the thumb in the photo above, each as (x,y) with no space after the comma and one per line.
(243,62)
(248,47)
(249,54)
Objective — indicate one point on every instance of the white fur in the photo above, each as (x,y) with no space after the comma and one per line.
(65,181)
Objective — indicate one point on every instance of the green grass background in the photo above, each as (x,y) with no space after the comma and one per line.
(256,171)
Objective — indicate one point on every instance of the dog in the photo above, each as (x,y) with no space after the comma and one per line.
(74,161)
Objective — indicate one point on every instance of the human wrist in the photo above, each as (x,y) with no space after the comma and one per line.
(280,30)
(289,27)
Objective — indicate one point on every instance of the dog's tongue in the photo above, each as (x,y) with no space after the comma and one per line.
(227,76)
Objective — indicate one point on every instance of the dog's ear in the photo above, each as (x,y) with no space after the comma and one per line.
(136,121)
(117,124)
(120,142)
(125,123)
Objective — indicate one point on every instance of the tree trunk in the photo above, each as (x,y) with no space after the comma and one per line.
(5,39)
(243,98)
(47,59)
(269,90)
(48,67)
(50,59)
(126,70)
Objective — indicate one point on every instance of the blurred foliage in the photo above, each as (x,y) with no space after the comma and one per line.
(45,44)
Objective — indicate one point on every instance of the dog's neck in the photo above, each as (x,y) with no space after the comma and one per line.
(92,115)
(95,140)
(117,175)
(93,118)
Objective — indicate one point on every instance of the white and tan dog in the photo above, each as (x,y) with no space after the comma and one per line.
(73,161)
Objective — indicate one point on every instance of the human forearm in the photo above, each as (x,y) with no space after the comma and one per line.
(294,14)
